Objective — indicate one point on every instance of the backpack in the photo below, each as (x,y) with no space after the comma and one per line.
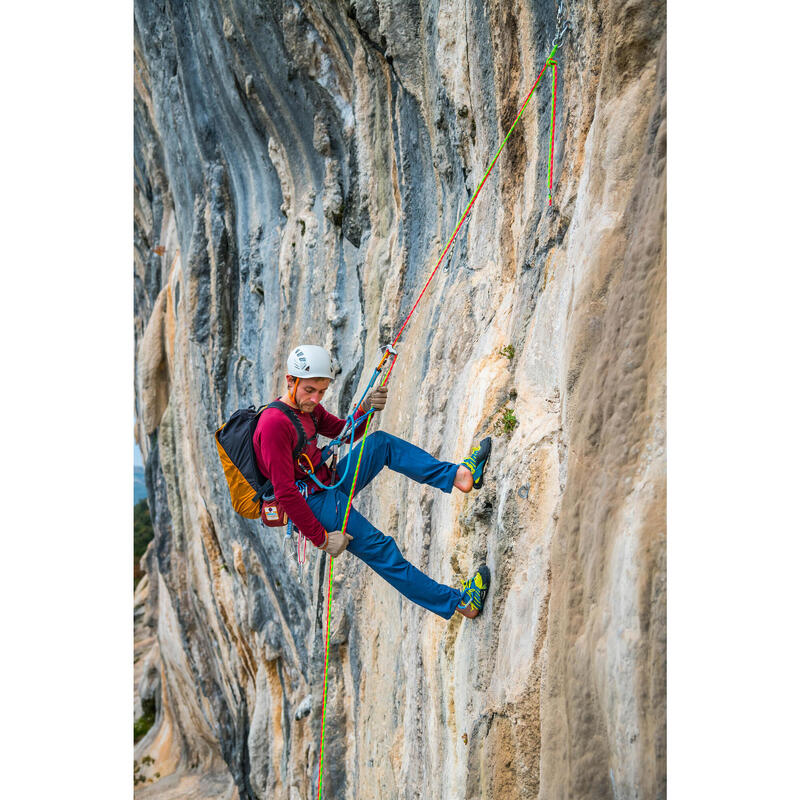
(246,483)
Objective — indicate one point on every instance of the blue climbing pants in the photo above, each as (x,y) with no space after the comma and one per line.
(370,545)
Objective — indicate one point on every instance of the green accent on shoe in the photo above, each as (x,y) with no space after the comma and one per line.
(476,461)
(475,590)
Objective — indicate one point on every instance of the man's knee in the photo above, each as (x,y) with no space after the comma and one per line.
(380,437)
(379,443)
(384,440)
(376,548)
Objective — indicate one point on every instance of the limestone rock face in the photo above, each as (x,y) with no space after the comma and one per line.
(299,166)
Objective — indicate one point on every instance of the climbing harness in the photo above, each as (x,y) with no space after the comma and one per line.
(352,421)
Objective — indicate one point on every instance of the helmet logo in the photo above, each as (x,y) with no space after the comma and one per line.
(302,362)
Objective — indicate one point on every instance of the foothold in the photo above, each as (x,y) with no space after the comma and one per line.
(464,737)
(523,491)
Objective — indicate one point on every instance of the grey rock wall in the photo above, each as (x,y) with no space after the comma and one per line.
(298,168)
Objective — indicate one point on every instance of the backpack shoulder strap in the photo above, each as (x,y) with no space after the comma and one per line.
(314,419)
(302,439)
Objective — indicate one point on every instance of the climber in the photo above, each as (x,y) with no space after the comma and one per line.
(320,515)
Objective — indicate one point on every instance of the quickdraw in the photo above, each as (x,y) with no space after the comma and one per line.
(287,537)
(352,422)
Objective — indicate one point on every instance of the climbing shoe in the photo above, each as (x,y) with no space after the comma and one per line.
(474,593)
(475,462)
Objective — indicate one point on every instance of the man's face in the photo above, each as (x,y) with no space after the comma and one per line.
(309,391)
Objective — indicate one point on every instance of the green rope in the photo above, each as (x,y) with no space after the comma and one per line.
(364,438)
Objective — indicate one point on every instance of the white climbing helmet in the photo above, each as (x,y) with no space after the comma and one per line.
(309,361)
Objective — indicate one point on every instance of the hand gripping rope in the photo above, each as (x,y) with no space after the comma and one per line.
(352,422)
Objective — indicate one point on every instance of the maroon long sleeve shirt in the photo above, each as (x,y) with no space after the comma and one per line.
(274,442)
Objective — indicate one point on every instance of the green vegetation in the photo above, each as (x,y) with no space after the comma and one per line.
(507,351)
(142,535)
(508,421)
(143,724)
(142,529)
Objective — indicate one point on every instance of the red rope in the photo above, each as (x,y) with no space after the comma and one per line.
(386,378)
(464,215)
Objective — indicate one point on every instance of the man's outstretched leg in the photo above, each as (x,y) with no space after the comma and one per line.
(381,450)
(382,554)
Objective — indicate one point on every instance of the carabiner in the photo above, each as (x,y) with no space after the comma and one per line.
(559,36)
(309,470)
(287,537)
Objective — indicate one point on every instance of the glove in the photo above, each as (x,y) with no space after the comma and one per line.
(336,543)
(376,399)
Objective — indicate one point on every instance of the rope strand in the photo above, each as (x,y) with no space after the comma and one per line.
(386,378)
(472,201)
(554,64)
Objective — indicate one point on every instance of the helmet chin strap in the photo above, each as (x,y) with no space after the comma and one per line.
(294,390)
